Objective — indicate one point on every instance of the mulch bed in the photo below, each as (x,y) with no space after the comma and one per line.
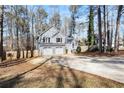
(8,63)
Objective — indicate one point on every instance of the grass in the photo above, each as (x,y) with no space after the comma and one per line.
(53,75)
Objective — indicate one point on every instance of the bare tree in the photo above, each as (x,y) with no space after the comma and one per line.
(16,9)
(74,11)
(104,13)
(32,16)
(112,29)
(116,46)
(56,20)
(108,30)
(41,15)
(100,29)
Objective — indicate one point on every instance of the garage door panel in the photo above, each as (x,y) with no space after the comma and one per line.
(53,51)
(47,51)
(59,51)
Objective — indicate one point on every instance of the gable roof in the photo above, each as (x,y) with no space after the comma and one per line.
(45,31)
(55,32)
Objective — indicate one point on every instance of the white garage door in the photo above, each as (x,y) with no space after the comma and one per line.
(47,51)
(59,51)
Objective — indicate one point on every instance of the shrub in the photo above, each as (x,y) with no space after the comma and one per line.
(66,51)
(78,50)
(10,55)
(93,48)
(110,49)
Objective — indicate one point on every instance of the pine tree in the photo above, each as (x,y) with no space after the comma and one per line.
(100,29)
(91,28)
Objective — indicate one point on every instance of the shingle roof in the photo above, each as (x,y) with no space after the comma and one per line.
(43,32)
(46,31)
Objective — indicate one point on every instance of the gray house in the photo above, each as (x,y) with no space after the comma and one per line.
(54,42)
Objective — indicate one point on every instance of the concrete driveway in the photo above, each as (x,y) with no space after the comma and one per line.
(108,67)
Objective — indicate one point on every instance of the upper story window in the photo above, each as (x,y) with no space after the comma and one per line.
(46,39)
(58,39)
(43,39)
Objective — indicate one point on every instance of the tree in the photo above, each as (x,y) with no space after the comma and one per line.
(22,27)
(1,32)
(100,29)
(91,38)
(112,29)
(55,20)
(32,16)
(116,42)
(41,15)
(27,30)
(104,13)
(74,11)
(108,31)
(16,9)
(9,16)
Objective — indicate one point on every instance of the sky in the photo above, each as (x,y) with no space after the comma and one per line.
(64,12)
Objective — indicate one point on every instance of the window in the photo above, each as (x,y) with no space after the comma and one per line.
(58,39)
(48,40)
(43,39)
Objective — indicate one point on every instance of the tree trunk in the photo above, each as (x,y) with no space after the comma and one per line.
(18,50)
(111,32)
(23,54)
(108,31)
(1,32)
(116,46)
(27,33)
(104,28)
(27,53)
(27,46)
(32,48)
(100,29)
(17,35)
(11,33)
(91,39)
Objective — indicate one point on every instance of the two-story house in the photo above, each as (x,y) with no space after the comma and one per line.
(51,42)
(55,42)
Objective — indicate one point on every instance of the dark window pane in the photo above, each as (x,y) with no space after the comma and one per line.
(49,40)
(57,39)
(43,39)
